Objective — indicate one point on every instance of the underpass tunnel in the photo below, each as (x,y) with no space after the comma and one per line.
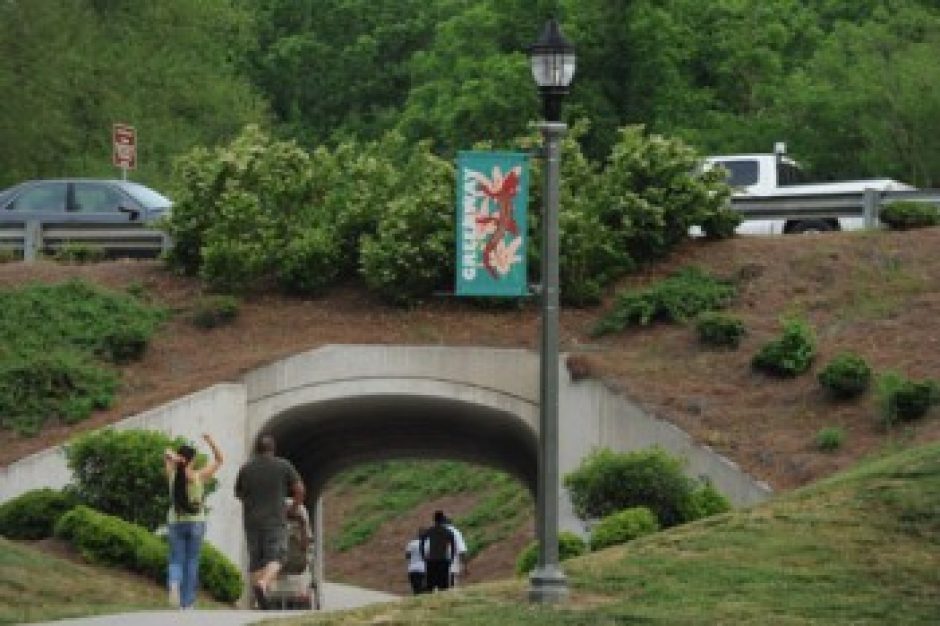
(324,438)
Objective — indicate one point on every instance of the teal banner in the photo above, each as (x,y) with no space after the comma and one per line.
(492,194)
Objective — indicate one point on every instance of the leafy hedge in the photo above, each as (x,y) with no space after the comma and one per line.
(569,546)
(680,297)
(905,215)
(623,526)
(904,400)
(109,540)
(607,482)
(790,354)
(120,472)
(847,375)
(33,515)
(382,211)
(57,343)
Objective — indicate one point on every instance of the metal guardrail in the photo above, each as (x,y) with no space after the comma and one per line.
(33,238)
(866,205)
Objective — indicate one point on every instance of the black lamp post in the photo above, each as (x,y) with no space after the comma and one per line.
(553,62)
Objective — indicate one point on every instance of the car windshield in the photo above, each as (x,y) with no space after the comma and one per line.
(146,196)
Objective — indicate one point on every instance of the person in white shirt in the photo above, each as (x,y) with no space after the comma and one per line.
(458,565)
(416,563)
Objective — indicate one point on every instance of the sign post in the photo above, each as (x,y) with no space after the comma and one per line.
(124,142)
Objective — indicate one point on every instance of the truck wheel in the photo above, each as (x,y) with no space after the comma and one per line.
(810,226)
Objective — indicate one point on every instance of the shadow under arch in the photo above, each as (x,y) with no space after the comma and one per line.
(325,437)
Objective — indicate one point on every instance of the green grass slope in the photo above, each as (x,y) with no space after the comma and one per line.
(35,586)
(862,547)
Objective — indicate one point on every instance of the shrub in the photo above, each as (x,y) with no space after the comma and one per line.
(121,473)
(682,296)
(214,311)
(108,540)
(830,438)
(8,256)
(72,252)
(789,355)
(909,214)
(719,329)
(569,546)
(904,400)
(623,526)
(58,384)
(720,223)
(606,482)
(33,515)
(846,376)
(707,501)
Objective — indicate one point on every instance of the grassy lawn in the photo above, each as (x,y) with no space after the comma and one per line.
(37,587)
(862,547)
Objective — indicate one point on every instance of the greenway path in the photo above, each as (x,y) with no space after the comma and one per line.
(336,597)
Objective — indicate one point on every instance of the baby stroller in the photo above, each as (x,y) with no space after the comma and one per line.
(295,586)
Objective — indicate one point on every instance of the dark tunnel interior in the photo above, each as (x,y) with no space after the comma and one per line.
(324,438)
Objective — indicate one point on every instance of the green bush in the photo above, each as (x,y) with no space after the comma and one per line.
(33,515)
(606,482)
(830,438)
(719,329)
(720,223)
(904,400)
(623,526)
(847,375)
(109,540)
(59,384)
(789,355)
(680,297)
(121,473)
(569,546)
(707,501)
(72,252)
(214,311)
(909,214)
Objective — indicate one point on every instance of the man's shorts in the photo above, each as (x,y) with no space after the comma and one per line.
(264,546)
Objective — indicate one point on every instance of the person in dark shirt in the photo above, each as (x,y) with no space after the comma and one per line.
(263,485)
(438,549)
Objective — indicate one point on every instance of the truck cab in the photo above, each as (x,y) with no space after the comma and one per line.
(776,178)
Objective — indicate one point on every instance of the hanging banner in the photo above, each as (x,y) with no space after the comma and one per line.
(492,194)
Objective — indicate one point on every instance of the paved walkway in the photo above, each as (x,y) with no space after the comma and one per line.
(336,597)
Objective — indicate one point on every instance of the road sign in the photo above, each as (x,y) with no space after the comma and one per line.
(124,138)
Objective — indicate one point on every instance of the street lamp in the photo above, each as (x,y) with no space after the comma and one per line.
(553,61)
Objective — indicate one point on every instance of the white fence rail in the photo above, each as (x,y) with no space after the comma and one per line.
(33,238)
(866,205)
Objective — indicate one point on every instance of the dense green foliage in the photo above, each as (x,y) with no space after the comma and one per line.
(846,375)
(569,546)
(386,489)
(57,345)
(121,473)
(719,329)
(606,482)
(623,526)
(74,67)
(33,515)
(109,540)
(830,438)
(677,298)
(902,399)
(790,354)
(907,215)
(262,210)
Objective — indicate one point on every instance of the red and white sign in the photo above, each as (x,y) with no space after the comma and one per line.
(124,138)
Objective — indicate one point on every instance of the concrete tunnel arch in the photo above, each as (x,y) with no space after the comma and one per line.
(325,437)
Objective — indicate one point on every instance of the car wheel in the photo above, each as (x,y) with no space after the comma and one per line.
(810,226)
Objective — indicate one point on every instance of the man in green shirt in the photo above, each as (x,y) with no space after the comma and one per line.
(263,485)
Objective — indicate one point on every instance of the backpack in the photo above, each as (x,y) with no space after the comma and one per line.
(439,543)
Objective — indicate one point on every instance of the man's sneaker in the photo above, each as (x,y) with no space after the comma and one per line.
(174,596)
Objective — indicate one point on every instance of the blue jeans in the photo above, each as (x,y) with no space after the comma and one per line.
(185,541)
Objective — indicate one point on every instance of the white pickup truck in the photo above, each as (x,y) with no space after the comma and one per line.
(776,182)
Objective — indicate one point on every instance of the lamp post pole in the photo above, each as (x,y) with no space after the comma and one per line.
(548,582)
(553,64)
